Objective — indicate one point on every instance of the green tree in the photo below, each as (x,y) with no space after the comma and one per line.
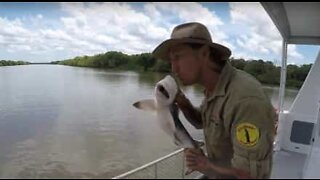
(146,60)
(265,71)
(238,63)
(162,66)
(254,67)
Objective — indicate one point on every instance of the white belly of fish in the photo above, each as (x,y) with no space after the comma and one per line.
(166,122)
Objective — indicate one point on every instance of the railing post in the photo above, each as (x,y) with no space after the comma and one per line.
(183,166)
(283,76)
(155,171)
(278,137)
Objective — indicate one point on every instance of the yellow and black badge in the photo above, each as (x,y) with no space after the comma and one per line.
(247,134)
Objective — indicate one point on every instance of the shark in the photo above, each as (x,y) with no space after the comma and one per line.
(167,113)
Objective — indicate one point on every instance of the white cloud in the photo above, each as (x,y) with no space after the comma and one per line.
(11,27)
(293,53)
(244,55)
(183,12)
(262,38)
(55,34)
(114,25)
(14,47)
(89,28)
(14,36)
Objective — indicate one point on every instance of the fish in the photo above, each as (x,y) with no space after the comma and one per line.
(167,113)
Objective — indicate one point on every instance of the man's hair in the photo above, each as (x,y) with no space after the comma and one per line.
(215,56)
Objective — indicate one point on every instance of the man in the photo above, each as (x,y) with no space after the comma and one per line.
(236,115)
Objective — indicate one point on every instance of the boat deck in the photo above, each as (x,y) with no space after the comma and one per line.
(288,165)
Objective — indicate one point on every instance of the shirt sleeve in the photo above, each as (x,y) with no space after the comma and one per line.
(252,134)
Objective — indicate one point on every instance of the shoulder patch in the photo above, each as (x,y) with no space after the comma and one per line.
(247,134)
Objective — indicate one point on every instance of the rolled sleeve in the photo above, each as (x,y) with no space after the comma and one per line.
(252,132)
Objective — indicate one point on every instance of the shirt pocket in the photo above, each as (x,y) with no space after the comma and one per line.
(215,131)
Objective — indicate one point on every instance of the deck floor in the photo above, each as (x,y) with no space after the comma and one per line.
(312,169)
(288,165)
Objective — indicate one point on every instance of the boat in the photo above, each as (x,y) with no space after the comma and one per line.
(296,149)
(296,153)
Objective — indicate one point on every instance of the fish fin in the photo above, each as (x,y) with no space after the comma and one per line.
(146,105)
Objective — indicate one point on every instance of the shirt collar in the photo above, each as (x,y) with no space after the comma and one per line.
(224,78)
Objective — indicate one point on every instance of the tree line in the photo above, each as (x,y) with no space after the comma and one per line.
(265,71)
(12,63)
(119,60)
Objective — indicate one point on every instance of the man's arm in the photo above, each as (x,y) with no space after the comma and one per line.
(192,114)
(198,161)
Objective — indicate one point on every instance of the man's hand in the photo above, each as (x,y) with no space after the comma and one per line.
(181,100)
(196,160)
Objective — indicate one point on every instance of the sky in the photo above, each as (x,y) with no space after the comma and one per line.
(48,31)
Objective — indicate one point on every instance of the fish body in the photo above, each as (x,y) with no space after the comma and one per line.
(167,112)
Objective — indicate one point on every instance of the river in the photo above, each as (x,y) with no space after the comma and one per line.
(71,122)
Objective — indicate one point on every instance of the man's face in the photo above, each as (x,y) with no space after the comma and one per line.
(185,63)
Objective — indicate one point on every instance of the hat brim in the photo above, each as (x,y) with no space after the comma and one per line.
(162,51)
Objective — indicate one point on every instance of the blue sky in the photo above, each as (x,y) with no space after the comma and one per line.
(41,32)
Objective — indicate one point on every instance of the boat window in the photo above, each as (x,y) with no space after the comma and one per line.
(301,132)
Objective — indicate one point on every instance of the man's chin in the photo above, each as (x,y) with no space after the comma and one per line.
(185,83)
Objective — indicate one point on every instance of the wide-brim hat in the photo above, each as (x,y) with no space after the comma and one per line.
(189,33)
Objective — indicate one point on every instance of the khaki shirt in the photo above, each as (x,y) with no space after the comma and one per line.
(238,122)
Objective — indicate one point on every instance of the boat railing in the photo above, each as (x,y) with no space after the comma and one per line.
(169,166)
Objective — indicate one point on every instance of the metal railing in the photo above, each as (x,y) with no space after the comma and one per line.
(169,166)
